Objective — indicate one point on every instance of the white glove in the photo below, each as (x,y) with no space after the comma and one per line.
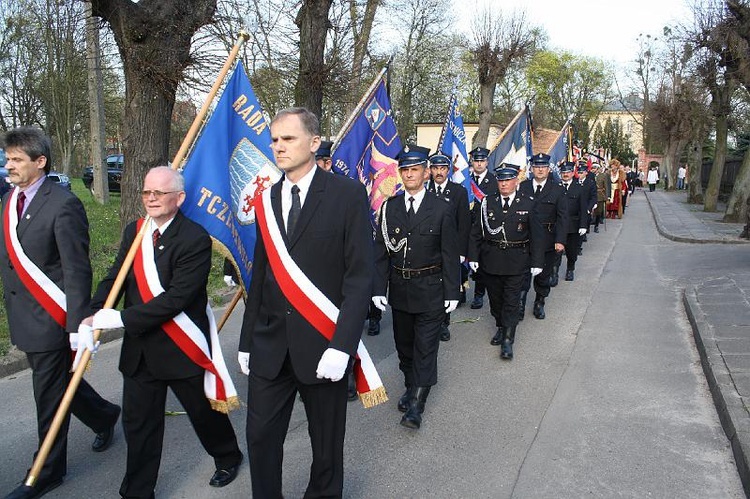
(535,271)
(461,259)
(107,318)
(332,364)
(595,205)
(85,340)
(73,339)
(474,266)
(380,302)
(229,281)
(581,232)
(244,359)
(450,305)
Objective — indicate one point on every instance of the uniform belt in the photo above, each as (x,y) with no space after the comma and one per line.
(414,273)
(508,244)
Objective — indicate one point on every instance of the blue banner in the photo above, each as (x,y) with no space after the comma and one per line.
(561,150)
(515,145)
(453,145)
(230,165)
(367,147)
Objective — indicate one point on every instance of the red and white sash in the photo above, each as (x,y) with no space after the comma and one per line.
(311,303)
(217,384)
(41,287)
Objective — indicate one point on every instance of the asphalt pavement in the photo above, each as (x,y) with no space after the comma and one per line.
(611,396)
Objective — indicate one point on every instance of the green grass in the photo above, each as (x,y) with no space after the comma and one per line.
(104,230)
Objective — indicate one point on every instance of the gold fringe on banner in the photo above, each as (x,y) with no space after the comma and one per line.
(374,397)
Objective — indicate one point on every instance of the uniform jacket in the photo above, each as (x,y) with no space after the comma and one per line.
(430,241)
(519,224)
(54,233)
(459,200)
(332,245)
(576,198)
(603,187)
(589,189)
(551,209)
(183,261)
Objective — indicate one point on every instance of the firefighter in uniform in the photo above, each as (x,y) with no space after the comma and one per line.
(455,194)
(487,184)
(578,220)
(552,211)
(416,251)
(506,245)
(323,156)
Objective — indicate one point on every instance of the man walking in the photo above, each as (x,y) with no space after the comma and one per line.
(487,184)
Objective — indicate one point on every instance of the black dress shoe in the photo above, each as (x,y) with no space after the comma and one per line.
(553,278)
(226,476)
(569,275)
(596,229)
(445,334)
(373,327)
(539,309)
(498,338)
(403,402)
(507,350)
(38,490)
(477,302)
(412,418)
(103,439)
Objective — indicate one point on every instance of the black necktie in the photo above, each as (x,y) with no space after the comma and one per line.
(410,212)
(294,211)
(506,204)
(566,187)
(476,179)
(538,189)
(439,190)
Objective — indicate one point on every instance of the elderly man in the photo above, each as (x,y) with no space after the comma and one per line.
(46,276)
(168,330)
(416,256)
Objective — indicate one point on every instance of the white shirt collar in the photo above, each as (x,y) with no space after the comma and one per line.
(162,228)
(535,183)
(418,197)
(510,197)
(286,192)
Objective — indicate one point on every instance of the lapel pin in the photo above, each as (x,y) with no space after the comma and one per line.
(161,248)
(397,230)
(28,216)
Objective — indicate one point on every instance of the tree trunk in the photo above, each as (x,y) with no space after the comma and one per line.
(361,44)
(717,169)
(154,40)
(486,97)
(100,184)
(669,163)
(312,21)
(694,184)
(737,204)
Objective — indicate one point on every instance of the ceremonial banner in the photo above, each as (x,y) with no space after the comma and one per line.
(453,144)
(514,144)
(230,165)
(367,145)
(561,149)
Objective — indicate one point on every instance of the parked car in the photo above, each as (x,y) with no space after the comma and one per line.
(62,180)
(114,173)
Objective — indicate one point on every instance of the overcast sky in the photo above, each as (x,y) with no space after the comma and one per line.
(606,29)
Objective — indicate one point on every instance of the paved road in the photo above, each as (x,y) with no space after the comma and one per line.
(606,397)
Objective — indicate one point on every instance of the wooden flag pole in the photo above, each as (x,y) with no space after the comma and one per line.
(230,309)
(62,410)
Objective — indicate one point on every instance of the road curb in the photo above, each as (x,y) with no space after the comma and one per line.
(729,406)
(682,239)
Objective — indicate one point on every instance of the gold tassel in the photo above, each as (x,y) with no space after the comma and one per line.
(374,397)
(224,406)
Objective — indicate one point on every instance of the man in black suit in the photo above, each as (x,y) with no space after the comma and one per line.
(416,255)
(588,185)
(506,245)
(49,235)
(552,211)
(578,220)
(321,226)
(165,303)
(487,184)
(455,194)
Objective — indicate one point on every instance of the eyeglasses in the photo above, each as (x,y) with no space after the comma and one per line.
(157,194)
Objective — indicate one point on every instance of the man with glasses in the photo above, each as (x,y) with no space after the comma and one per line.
(167,325)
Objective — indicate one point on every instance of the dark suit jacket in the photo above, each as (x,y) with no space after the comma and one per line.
(576,199)
(183,261)
(54,233)
(589,188)
(459,200)
(431,240)
(520,224)
(332,245)
(551,210)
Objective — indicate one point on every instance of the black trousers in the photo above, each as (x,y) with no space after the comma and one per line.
(541,281)
(572,244)
(374,313)
(269,408)
(143,403)
(417,338)
(479,286)
(50,377)
(504,292)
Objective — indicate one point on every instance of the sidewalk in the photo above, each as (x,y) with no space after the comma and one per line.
(719,312)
